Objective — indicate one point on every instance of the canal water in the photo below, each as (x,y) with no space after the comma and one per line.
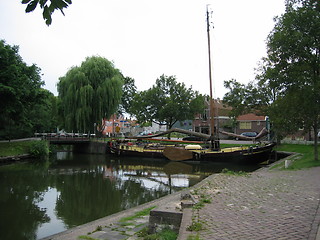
(38,200)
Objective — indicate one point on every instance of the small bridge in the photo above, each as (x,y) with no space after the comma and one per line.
(61,140)
(81,143)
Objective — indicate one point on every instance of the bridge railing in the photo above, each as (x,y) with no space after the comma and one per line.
(65,136)
(74,137)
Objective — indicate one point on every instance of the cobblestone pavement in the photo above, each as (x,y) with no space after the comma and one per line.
(261,205)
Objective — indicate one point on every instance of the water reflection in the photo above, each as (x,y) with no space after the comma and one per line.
(55,224)
(39,200)
(20,215)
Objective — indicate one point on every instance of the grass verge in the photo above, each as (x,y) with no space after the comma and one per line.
(87,237)
(164,234)
(15,148)
(194,237)
(307,156)
(230,172)
(142,213)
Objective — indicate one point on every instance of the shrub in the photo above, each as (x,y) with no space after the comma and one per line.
(39,149)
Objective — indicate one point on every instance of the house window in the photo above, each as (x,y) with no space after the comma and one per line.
(245,125)
(205,130)
(205,115)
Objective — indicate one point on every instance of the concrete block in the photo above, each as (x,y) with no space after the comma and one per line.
(160,218)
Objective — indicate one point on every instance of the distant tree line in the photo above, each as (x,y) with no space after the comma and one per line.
(88,93)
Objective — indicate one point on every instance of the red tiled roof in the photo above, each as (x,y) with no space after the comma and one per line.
(250,117)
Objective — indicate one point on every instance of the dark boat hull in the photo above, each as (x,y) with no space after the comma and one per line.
(252,155)
(249,156)
(118,151)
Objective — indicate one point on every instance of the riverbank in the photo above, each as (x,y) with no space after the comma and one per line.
(15,147)
(15,150)
(266,204)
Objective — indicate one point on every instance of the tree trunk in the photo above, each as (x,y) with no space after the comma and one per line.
(315,134)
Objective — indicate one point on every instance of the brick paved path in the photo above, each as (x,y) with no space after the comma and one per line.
(262,205)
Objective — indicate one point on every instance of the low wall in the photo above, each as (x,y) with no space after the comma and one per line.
(91,147)
(301,142)
(14,159)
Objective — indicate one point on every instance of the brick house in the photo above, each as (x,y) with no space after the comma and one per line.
(201,123)
(118,124)
(250,123)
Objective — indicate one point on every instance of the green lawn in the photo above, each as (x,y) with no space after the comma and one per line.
(14,148)
(307,155)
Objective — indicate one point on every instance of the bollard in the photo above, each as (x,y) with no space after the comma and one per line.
(287,163)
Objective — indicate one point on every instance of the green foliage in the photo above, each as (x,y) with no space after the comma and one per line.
(87,237)
(44,113)
(129,91)
(294,64)
(236,97)
(204,199)
(193,237)
(195,226)
(89,93)
(167,102)
(24,105)
(229,172)
(141,213)
(143,232)
(15,148)
(164,234)
(98,228)
(48,8)
(39,149)
(287,86)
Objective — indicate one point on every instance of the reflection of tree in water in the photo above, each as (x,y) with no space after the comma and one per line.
(19,193)
(134,193)
(89,195)
(85,196)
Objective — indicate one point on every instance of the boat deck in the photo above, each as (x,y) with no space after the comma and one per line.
(155,148)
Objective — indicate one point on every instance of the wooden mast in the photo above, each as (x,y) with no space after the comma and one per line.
(211,108)
(214,143)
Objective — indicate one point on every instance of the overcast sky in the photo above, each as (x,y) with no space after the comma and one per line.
(146,38)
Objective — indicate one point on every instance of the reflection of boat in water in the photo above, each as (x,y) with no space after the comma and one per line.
(172,168)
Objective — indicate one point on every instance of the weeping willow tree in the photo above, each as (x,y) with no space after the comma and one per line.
(89,93)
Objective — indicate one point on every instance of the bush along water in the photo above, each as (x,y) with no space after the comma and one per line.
(39,149)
